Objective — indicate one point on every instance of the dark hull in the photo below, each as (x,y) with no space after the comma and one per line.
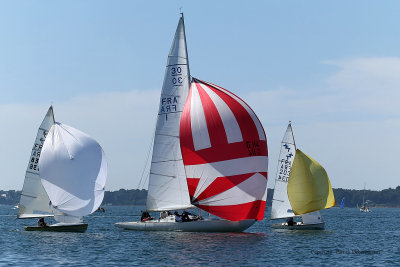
(78,228)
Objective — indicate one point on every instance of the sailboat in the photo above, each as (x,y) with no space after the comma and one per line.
(310,188)
(342,203)
(364,207)
(210,152)
(65,177)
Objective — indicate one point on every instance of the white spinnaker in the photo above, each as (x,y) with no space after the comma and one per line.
(34,201)
(168,188)
(73,170)
(281,207)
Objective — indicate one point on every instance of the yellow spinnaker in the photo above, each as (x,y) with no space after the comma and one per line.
(309,188)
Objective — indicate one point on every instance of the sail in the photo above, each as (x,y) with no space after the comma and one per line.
(342,203)
(167,182)
(73,170)
(309,188)
(281,207)
(224,150)
(34,201)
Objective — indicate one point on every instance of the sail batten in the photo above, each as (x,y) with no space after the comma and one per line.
(168,189)
(225,159)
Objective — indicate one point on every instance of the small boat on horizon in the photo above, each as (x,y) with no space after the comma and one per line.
(364,207)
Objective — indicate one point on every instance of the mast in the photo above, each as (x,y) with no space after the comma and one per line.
(167,182)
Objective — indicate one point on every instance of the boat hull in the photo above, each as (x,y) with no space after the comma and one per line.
(78,228)
(299,226)
(212,225)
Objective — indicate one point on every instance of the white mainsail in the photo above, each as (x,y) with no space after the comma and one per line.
(34,201)
(168,188)
(73,170)
(281,207)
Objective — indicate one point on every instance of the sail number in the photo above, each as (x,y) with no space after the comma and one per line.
(284,170)
(36,150)
(176,73)
(254,148)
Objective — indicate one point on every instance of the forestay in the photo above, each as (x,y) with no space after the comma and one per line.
(34,201)
(309,188)
(281,207)
(224,150)
(167,182)
(73,170)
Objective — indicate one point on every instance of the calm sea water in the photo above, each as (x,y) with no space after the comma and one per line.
(351,238)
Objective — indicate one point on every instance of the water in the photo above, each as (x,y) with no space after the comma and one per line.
(351,238)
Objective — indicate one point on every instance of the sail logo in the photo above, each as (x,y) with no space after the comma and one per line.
(168,104)
(287,147)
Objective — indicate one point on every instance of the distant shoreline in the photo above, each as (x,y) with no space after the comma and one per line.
(387,198)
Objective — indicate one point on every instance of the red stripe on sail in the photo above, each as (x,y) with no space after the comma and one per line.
(222,184)
(223,92)
(215,126)
(246,211)
(192,185)
(246,123)
(185,127)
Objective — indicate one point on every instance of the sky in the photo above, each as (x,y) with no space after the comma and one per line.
(332,68)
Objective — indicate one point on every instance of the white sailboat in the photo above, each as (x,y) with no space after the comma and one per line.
(281,205)
(67,180)
(364,207)
(204,157)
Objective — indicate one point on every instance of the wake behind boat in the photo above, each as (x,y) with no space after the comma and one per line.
(210,152)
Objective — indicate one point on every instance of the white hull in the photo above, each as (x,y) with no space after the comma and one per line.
(209,225)
(365,210)
(300,226)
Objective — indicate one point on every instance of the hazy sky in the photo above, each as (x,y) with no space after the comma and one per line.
(332,68)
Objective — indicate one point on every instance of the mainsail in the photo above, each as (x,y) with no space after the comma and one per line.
(224,150)
(73,170)
(309,188)
(167,182)
(281,207)
(34,201)
(342,203)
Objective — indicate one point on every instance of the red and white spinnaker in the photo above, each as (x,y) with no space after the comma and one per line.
(224,150)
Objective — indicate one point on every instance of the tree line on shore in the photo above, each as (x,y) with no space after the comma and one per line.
(353,198)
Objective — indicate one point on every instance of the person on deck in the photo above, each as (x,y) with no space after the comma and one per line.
(146,216)
(41,222)
(290,221)
(178,217)
(185,217)
(163,214)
